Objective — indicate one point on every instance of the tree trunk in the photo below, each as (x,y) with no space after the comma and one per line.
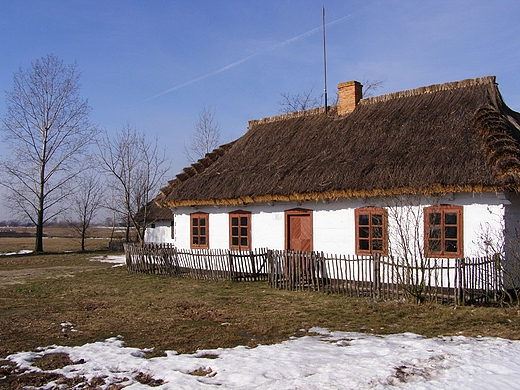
(39,231)
(83,233)
(128,228)
(39,222)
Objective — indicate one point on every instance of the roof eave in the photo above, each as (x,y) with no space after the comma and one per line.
(433,190)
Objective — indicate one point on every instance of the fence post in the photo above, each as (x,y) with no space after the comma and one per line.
(377,277)
(253,265)
(270,268)
(231,266)
(462,283)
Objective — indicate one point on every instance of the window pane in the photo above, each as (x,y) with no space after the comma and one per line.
(234,231)
(363,219)
(363,233)
(434,246)
(377,232)
(377,245)
(450,218)
(195,222)
(234,241)
(203,241)
(195,231)
(450,232)
(202,231)
(243,231)
(202,221)
(234,221)
(377,219)
(243,241)
(435,232)
(243,221)
(363,245)
(451,246)
(435,218)
(195,240)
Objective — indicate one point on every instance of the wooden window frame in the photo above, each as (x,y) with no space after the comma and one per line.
(197,216)
(240,214)
(371,210)
(443,209)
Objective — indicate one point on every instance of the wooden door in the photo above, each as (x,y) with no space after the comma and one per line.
(298,228)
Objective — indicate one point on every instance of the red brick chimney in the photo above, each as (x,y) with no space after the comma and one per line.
(349,94)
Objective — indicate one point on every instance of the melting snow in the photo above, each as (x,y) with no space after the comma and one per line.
(332,360)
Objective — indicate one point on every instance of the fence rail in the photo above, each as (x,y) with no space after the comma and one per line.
(441,280)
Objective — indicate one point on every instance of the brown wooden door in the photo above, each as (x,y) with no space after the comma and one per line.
(298,230)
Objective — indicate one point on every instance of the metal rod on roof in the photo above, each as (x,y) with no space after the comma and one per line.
(324,60)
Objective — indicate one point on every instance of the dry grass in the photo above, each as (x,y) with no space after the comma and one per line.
(167,313)
(59,239)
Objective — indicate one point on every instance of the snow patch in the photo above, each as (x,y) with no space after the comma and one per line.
(324,360)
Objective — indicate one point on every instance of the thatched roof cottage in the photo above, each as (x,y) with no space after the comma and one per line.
(345,179)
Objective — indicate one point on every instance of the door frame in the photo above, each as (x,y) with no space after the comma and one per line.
(302,212)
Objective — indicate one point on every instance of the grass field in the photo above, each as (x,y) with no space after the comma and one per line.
(40,295)
(59,239)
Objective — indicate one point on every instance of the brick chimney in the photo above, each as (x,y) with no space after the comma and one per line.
(349,94)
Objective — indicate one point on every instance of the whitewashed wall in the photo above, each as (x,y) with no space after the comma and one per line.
(161,233)
(334,225)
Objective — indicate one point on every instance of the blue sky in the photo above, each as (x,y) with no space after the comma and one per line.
(238,56)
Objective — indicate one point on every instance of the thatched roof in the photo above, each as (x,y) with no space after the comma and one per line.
(154,212)
(453,137)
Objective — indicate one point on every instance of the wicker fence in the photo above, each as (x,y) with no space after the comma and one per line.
(443,280)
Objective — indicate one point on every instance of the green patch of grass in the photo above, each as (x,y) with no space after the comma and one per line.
(168,313)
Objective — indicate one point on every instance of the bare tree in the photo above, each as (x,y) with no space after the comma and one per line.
(137,168)
(299,102)
(370,86)
(406,249)
(87,200)
(306,101)
(47,129)
(206,136)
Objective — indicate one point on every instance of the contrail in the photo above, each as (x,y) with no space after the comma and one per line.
(236,63)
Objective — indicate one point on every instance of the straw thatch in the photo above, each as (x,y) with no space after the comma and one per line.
(154,212)
(453,137)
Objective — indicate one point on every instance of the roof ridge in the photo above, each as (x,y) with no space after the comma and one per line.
(296,114)
(450,86)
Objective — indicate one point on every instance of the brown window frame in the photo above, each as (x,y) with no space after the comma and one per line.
(239,214)
(370,226)
(443,225)
(198,235)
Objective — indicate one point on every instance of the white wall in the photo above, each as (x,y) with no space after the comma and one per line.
(161,233)
(334,225)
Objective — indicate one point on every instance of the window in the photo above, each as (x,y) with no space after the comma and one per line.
(152,225)
(443,231)
(371,231)
(199,230)
(172,229)
(240,230)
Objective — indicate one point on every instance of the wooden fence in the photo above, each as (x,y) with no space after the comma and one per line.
(441,280)
(165,259)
